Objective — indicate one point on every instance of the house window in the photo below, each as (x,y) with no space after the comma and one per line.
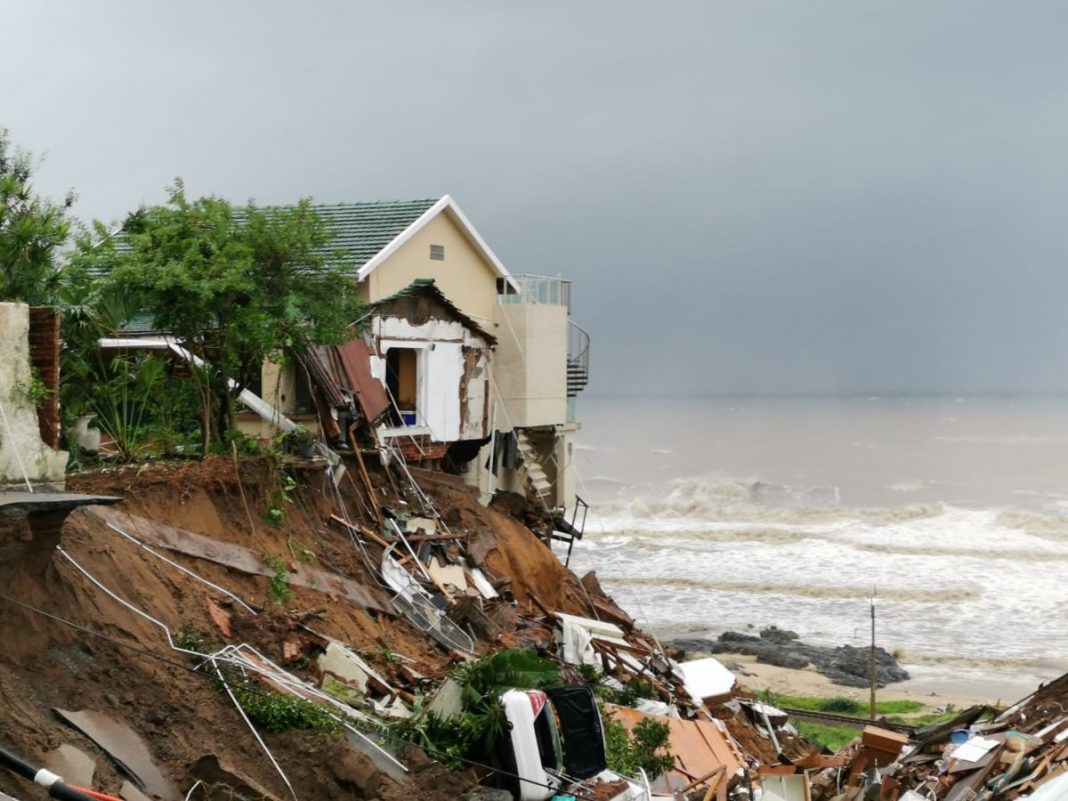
(437,253)
(303,402)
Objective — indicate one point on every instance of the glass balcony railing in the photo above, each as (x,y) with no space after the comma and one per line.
(542,289)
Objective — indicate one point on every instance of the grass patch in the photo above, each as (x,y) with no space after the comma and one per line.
(839,705)
(833,738)
(928,719)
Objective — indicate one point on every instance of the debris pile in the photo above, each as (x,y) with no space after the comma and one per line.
(227,640)
(185,644)
(1021,752)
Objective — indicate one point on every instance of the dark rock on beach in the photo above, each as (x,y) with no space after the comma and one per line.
(845,665)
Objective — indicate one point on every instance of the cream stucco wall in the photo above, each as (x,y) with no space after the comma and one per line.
(465,277)
(530,364)
(279,388)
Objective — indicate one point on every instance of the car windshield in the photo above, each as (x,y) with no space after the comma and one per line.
(548,736)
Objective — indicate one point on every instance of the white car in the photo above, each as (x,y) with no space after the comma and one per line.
(555,736)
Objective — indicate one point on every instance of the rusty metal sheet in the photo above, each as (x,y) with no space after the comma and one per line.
(244,560)
(356,364)
(125,747)
(326,372)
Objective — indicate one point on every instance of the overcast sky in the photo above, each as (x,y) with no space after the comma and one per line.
(750,196)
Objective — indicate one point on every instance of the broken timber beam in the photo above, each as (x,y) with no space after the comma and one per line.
(359,530)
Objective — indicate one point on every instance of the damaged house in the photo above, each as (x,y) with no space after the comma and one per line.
(456,362)
(464,361)
(421,371)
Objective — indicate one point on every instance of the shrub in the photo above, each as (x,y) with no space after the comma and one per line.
(646,747)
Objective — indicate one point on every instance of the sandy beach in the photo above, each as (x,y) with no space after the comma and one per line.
(935,692)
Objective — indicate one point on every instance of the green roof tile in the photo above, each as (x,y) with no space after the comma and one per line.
(364,229)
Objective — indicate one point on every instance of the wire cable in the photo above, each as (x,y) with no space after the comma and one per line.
(430,751)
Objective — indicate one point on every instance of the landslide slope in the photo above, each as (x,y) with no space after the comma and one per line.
(68,644)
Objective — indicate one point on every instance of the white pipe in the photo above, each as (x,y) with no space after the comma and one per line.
(177,566)
(251,728)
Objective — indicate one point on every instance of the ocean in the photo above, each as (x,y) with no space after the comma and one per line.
(709,514)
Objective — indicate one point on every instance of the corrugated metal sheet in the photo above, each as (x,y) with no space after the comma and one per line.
(356,365)
(325,369)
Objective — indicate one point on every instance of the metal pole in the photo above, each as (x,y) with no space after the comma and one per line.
(874,670)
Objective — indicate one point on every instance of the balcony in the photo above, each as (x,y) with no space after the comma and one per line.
(535,289)
(542,359)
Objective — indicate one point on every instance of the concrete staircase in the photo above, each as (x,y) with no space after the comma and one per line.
(536,477)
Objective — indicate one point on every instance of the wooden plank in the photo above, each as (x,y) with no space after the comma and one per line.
(243,559)
(360,530)
(434,537)
(371,498)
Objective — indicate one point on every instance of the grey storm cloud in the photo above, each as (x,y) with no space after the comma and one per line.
(837,196)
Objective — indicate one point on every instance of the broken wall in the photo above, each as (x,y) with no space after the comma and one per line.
(24,456)
(451,388)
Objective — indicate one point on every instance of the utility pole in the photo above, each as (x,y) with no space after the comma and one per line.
(874,670)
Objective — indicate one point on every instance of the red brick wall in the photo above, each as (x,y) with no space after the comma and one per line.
(44,356)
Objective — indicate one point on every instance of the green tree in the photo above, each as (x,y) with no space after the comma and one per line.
(234,286)
(32,231)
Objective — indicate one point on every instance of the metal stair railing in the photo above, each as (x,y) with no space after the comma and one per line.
(578,358)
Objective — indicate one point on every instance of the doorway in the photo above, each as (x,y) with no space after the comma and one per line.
(402,382)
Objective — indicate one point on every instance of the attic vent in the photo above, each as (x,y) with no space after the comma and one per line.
(437,253)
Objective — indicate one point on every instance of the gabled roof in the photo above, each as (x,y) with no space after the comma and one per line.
(366,229)
(372,232)
(426,286)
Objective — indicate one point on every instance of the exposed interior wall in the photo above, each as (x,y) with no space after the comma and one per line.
(402,376)
(23,454)
(450,365)
(465,278)
(530,364)
(474,394)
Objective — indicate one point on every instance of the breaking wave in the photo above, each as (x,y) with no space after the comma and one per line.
(1049,527)
(1015,555)
(1004,664)
(772,536)
(756,502)
(902,595)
